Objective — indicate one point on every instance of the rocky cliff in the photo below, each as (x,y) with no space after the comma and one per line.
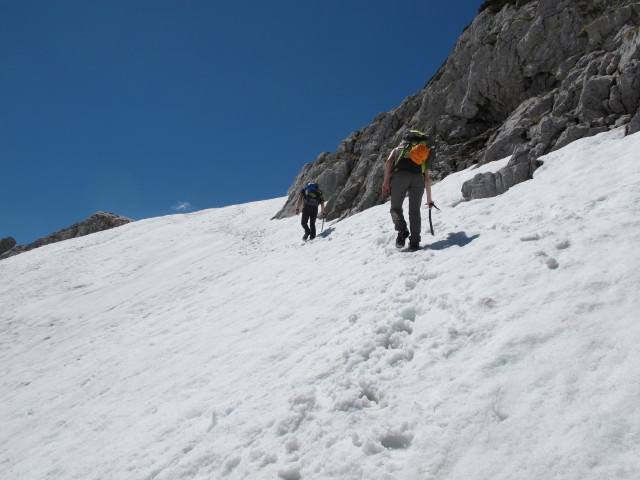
(525,78)
(95,223)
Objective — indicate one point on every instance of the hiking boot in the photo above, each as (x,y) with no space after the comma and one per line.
(304,237)
(402,237)
(414,245)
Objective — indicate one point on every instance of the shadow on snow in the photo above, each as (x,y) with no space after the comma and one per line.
(458,239)
(326,232)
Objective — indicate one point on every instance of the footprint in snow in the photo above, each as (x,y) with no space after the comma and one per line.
(552,263)
(397,437)
(530,238)
(486,302)
(410,284)
(290,472)
(409,313)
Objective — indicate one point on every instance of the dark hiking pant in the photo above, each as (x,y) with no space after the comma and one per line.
(309,215)
(404,182)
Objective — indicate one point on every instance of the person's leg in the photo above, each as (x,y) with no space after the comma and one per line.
(416,191)
(313,214)
(304,221)
(399,187)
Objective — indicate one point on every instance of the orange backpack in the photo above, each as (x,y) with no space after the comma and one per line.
(419,153)
(414,152)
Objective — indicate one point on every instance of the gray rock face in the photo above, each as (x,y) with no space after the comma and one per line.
(485,185)
(95,223)
(7,244)
(521,83)
(634,125)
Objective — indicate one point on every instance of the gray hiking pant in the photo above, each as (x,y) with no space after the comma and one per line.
(404,182)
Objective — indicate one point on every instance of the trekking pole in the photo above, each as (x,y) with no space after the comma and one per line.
(322,224)
(430,222)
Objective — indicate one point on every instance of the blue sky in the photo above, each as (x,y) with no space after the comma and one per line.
(151,107)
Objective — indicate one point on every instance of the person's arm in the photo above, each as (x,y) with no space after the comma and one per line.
(322,208)
(427,186)
(298,203)
(386,183)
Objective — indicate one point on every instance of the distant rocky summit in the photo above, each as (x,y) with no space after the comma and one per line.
(95,223)
(7,244)
(525,78)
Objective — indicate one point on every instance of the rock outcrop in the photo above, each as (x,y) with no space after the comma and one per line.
(7,244)
(521,81)
(95,223)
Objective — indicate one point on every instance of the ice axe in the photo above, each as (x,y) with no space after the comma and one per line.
(430,222)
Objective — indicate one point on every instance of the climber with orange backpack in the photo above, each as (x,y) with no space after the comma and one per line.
(405,172)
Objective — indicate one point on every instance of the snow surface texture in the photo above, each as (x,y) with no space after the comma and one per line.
(218,345)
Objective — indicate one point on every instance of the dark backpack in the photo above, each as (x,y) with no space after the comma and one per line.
(312,195)
(413,153)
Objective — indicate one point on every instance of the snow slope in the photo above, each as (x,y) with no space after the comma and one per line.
(217,345)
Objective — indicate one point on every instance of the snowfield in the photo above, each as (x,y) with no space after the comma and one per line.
(218,345)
